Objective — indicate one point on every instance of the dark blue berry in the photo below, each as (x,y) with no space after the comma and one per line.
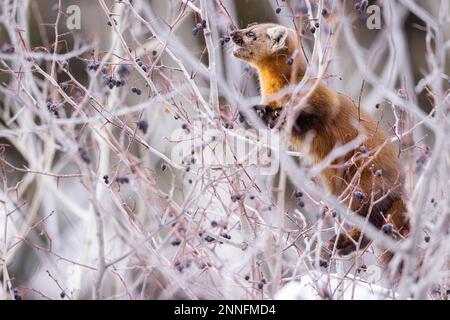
(143,126)
(359,195)
(387,228)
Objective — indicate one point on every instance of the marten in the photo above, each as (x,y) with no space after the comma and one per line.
(369,178)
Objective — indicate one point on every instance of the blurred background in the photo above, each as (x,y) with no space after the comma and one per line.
(93,205)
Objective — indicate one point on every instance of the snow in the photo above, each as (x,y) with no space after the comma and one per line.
(324,286)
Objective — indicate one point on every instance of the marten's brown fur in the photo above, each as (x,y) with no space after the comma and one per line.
(368,174)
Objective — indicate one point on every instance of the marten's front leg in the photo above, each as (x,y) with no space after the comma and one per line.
(347,242)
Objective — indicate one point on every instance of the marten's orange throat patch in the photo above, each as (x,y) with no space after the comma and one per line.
(272,76)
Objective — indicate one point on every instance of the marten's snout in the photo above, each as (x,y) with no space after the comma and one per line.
(236,36)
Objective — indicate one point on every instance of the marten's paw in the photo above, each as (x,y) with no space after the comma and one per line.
(346,243)
(269,116)
(260,109)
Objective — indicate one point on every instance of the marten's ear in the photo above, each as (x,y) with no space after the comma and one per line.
(278,36)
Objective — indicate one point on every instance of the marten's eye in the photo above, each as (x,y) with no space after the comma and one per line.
(250,34)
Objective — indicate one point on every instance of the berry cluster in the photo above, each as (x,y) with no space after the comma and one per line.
(53,108)
(361,6)
(92,66)
(112,81)
(84,155)
(136,90)
(141,64)
(122,180)
(199,27)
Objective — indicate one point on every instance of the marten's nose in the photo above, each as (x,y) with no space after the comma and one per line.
(236,36)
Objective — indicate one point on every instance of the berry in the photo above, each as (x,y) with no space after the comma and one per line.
(84,155)
(362,268)
(64,85)
(363,149)
(17,295)
(359,195)
(298,194)
(387,228)
(122,180)
(261,285)
(136,90)
(179,267)
(199,27)
(334,213)
(323,263)
(175,242)
(92,66)
(290,61)
(377,106)
(143,126)
(427,238)
(313,29)
(324,12)
(209,239)
(278,10)
(301,204)
(214,224)
(226,236)
(65,64)
(235,197)
(106,178)
(247,277)
(62,295)
(123,70)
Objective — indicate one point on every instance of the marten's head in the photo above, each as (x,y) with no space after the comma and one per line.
(259,42)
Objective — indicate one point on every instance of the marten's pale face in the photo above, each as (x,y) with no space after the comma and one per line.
(260,41)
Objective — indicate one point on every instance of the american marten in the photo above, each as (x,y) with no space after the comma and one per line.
(369,178)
